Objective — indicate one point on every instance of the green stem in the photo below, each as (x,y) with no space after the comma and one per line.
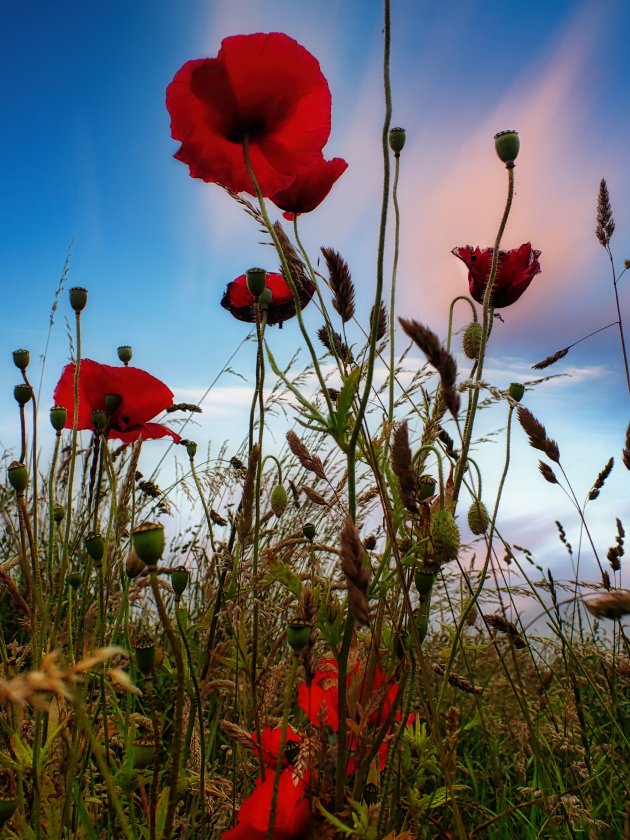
(450,316)
(288,696)
(392,302)
(51,505)
(342,695)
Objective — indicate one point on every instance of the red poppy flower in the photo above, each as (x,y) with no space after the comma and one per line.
(142,396)
(516,270)
(264,86)
(292,808)
(240,301)
(310,188)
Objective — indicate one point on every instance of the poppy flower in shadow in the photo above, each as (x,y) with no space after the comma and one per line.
(515,271)
(238,300)
(263,87)
(130,397)
(292,808)
(310,188)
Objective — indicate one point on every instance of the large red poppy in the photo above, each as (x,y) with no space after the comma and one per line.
(292,808)
(515,271)
(142,396)
(310,188)
(238,300)
(264,86)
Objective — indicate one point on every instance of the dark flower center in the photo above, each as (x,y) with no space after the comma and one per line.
(240,130)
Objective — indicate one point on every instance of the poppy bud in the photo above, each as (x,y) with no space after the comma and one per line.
(298,634)
(279,500)
(370,543)
(309,531)
(426,487)
(58,417)
(21,358)
(145,655)
(22,393)
(148,541)
(471,615)
(78,298)
(134,565)
(179,579)
(256,279)
(424,582)
(58,513)
(397,137)
(265,298)
(124,354)
(112,402)
(444,536)
(95,546)
(478,519)
(18,476)
(507,145)
(99,419)
(191,449)
(74,579)
(516,391)
(472,340)
(8,804)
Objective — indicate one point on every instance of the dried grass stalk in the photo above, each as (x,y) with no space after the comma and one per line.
(315,497)
(547,473)
(537,434)
(610,604)
(551,360)
(341,284)
(381,325)
(310,462)
(601,478)
(439,357)
(337,347)
(355,568)
(403,469)
(498,622)
(245,517)
(605,223)
(295,264)
(457,681)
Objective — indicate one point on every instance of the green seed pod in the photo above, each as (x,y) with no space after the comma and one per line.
(179,579)
(21,358)
(112,402)
(58,417)
(18,476)
(426,487)
(145,655)
(95,547)
(264,301)
(256,279)
(424,582)
(471,615)
(148,541)
(134,565)
(309,531)
(8,804)
(191,449)
(397,137)
(279,500)
(472,340)
(78,298)
(370,794)
(99,419)
(516,391)
(298,634)
(74,579)
(22,393)
(58,513)
(444,536)
(478,519)
(507,145)
(124,353)
(142,753)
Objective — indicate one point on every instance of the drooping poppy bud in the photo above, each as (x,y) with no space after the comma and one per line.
(478,518)
(507,145)
(444,536)
(78,298)
(279,500)
(21,358)
(472,340)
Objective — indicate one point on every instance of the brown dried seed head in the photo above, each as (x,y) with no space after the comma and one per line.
(337,347)
(601,478)
(605,223)
(315,497)
(610,604)
(355,567)
(295,264)
(402,466)
(551,360)
(547,473)
(437,356)
(498,622)
(381,325)
(537,434)
(341,284)
(310,462)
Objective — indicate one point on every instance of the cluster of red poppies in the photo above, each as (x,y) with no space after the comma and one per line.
(319,701)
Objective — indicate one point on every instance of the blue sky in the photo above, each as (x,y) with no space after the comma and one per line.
(88,158)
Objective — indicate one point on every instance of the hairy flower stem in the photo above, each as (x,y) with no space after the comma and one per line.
(51,505)
(392,300)
(450,316)
(22,435)
(288,697)
(287,274)
(202,741)
(619,322)
(157,757)
(380,270)
(204,504)
(179,703)
(73,458)
(342,699)
(34,476)
(488,313)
